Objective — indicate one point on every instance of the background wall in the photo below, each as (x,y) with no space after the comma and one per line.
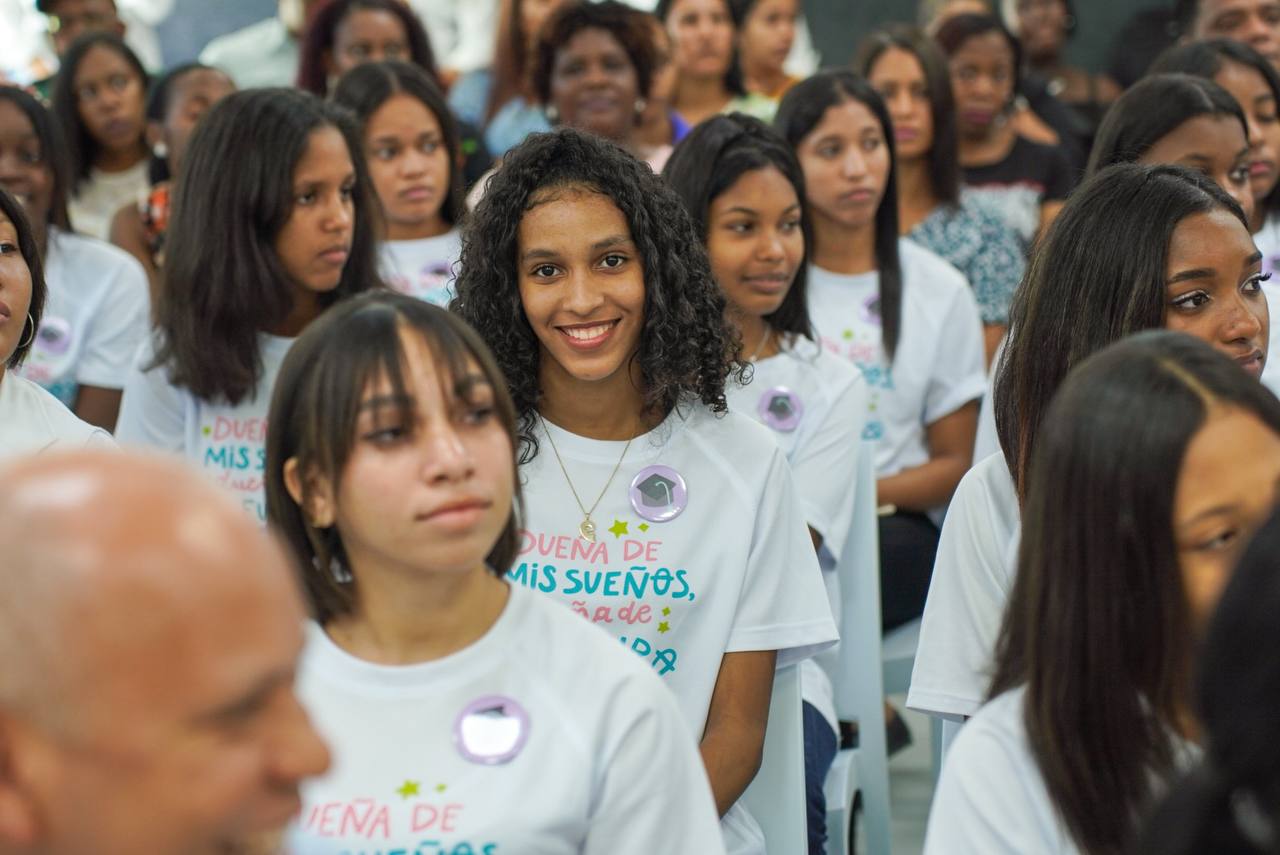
(839,24)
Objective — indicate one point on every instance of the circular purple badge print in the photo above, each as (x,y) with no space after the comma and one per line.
(491,730)
(659,494)
(54,335)
(781,409)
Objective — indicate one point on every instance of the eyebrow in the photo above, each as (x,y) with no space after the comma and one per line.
(252,699)
(464,386)
(1208,272)
(611,241)
(740,209)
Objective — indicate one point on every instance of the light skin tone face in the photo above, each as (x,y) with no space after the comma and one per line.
(701,37)
(366,35)
(582,286)
(767,34)
(409,164)
(428,487)
(24,171)
(1250,89)
(314,244)
(110,99)
(846,165)
(109,723)
(193,94)
(70,19)
(1254,22)
(755,243)
(594,86)
(982,76)
(15,292)
(1226,490)
(1214,145)
(1213,287)
(899,78)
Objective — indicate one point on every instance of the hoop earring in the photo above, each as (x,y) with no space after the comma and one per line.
(553,115)
(31,337)
(641,105)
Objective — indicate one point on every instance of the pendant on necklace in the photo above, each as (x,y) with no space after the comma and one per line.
(587,530)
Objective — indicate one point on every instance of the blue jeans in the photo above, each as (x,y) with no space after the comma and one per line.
(819,752)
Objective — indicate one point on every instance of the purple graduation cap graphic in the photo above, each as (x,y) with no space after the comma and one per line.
(659,494)
(781,409)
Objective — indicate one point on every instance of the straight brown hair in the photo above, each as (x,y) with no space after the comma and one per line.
(316,404)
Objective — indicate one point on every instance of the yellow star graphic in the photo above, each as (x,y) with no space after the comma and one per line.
(643,526)
(665,611)
(664,627)
(407,789)
(618,529)
(440,788)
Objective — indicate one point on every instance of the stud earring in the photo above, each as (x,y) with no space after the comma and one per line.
(553,115)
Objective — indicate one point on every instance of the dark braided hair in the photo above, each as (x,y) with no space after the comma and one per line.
(686,352)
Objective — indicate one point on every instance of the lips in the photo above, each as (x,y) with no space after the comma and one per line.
(1253,362)
(1260,168)
(588,336)
(336,255)
(977,117)
(417,194)
(768,283)
(861,196)
(461,513)
(5,312)
(117,128)
(598,103)
(905,134)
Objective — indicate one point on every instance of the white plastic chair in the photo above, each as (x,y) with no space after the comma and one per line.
(776,797)
(860,686)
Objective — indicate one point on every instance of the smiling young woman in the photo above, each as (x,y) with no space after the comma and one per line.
(669,522)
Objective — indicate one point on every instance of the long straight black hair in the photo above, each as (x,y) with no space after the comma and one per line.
(223,282)
(1096,276)
(944,154)
(12,209)
(716,154)
(1207,58)
(801,110)
(82,148)
(1098,628)
(1152,109)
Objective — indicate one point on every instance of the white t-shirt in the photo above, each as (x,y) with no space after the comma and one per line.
(102,194)
(732,570)
(32,421)
(608,765)
(423,268)
(938,367)
(96,315)
(991,798)
(972,577)
(1268,243)
(227,442)
(815,405)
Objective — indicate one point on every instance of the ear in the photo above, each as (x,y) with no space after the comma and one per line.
(19,812)
(313,494)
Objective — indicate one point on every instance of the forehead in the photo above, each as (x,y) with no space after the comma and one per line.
(1233,459)
(1214,8)
(402,112)
(895,62)
(430,373)
(1218,139)
(593,39)
(371,22)
(14,120)
(102,60)
(694,7)
(570,220)
(202,81)
(763,189)
(1211,239)
(989,48)
(849,117)
(326,152)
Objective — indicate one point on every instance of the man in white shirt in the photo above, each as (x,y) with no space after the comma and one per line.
(265,53)
(147,704)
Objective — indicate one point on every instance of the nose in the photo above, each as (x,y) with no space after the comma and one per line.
(854,163)
(769,246)
(298,752)
(1245,321)
(339,213)
(582,296)
(446,456)
(413,163)
(1257,31)
(899,104)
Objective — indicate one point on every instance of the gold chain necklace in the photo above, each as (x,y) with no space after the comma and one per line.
(586,528)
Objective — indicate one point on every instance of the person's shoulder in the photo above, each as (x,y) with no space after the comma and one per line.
(730,434)
(1040,155)
(233,45)
(83,251)
(28,407)
(561,646)
(924,269)
(835,376)
(998,724)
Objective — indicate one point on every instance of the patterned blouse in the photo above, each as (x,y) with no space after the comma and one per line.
(980,246)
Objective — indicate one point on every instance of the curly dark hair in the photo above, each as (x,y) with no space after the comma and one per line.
(630,27)
(687,350)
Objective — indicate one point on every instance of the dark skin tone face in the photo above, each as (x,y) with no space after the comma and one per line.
(70,19)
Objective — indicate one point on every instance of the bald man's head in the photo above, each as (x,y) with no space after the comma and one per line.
(154,622)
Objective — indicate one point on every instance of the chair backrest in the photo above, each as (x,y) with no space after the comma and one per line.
(776,797)
(859,684)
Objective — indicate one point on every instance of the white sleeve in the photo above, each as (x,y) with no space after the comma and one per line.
(119,326)
(991,801)
(965,606)
(653,795)
(958,375)
(476,22)
(153,410)
(783,604)
(826,466)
